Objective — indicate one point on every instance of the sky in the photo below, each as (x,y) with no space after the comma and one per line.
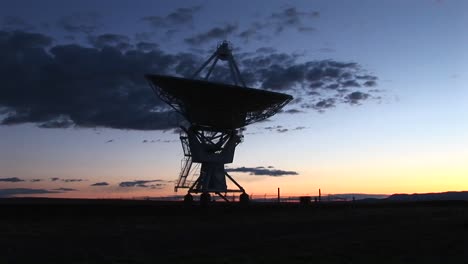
(379,87)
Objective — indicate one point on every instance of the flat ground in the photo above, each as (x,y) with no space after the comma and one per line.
(98,231)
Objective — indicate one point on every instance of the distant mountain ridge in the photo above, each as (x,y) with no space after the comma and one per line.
(444,196)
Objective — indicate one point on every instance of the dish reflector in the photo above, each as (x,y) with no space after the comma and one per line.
(217,105)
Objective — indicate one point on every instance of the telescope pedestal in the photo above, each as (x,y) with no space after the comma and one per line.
(211,149)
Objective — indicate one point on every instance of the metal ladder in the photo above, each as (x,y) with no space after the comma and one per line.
(185,171)
(186,163)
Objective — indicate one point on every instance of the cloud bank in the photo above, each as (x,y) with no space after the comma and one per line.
(101,84)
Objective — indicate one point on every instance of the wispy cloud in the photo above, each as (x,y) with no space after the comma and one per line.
(100,184)
(24,191)
(153,184)
(73,180)
(118,41)
(16,23)
(293,111)
(262,171)
(277,22)
(179,17)
(54,179)
(292,18)
(65,190)
(79,23)
(13,179)
(214,34)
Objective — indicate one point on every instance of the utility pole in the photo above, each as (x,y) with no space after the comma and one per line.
(278,195)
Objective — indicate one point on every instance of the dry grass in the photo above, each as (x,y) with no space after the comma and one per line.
(145,232)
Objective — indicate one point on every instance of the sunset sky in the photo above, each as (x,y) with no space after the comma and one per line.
(381,101)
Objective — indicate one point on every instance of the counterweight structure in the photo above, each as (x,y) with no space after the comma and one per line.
(217,114)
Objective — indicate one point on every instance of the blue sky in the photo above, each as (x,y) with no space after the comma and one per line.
(407,136)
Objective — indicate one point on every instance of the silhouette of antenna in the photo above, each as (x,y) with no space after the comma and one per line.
(217,114)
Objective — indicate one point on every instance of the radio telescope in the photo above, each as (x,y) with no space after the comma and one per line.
(217,114)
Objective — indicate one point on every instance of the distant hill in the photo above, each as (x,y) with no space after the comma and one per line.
(357,196)
(416,197)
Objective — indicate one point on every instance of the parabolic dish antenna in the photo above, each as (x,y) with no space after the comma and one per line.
(216,113)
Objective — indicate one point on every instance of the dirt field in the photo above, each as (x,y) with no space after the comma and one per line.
(80,231)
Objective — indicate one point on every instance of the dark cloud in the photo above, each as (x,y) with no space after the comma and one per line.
(324,104)
(143,183)
(110,141)
(163,140)
(72,85)
(370,83)
(256,31)
(291,18)
(321,105)
(146,46)
(158,141)
(64,190)
(281,71)
(266,50)
(356,97)
(23,191)
(36,180)
(272,127)
(318,85)
(261,171)
(306,29)
(179,17)
(143,36)
(265,28)
(350,83)
(13,179)
(156,186)
(248,34)
(366,77)
(332,86)
(293,111)
(86,87)
(24,43)
(16,23)
(214,34)
(66,180)
(60,122)
(327,50)
(281,129)
(279,77)
(72,180)
(120,42)
(171,32)
(79,23)
(100,184)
